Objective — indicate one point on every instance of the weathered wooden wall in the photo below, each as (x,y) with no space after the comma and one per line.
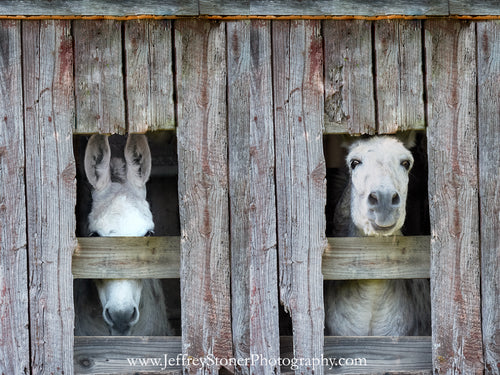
(250,101)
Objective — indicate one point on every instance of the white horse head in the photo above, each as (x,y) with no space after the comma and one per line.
(119,208)
(379,169)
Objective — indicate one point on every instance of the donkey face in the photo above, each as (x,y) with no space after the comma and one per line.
(379,169)
(119,208)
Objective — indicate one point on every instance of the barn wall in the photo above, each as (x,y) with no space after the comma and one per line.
(250,150)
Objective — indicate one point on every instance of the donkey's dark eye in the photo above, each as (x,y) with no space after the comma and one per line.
(149,233)
(354,163)
(406,164)
(94,234)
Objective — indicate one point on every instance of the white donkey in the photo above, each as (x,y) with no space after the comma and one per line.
(374,204)
(119,208)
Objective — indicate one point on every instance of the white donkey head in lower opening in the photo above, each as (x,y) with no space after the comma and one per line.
(379,168)
(119,208)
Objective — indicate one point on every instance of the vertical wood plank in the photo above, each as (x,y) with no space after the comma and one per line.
(203,191)
(300,180)
(489,187)
(14,348)
(399,79)
(252,194)
(349,96)
(99,96)
(453,197)
(150,80)
(51,191)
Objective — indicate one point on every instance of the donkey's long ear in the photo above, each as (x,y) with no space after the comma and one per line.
(408,138)
(97,158)
(138,158)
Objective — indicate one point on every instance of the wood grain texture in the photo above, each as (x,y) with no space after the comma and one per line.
(252,194)
(149,76)
(203,191)
(300,179)
(14,321)
(349,91)
(453,197)
(50,191)
(99,7)
(473,7)
(127,355)
(127,257)
(399,80)
(100,106)
(321,7)
(351,258)
(488,36)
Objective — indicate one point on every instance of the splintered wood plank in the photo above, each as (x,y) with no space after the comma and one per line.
(319,7)
(128,355)
(150,80)
(14,321)
(252,194)
(203,191)
(300,179)
(50,191)
(100,105)
(400,82)
(453,197)
(489,187)
(349,95)
(126,257)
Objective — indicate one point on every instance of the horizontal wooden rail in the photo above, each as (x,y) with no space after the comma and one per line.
(408,355)
(345,258)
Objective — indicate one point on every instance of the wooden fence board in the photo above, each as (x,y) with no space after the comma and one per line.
(50,191)
(14,333)
(127,257)
(349,91)
(473,7)
(399,79)
(99,7)
(99,95)
(203,190)
(127,355)
(489,187)
(322,7)
(149,76)
(300,179)
(453,197)
(252,193)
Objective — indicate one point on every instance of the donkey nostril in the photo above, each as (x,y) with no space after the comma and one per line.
(372,199)
(395,199)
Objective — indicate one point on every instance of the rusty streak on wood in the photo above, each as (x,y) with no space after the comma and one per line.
(488,35)
(203,191)
(50,191)
(14,321)
(453,197)
(100,106)
(300,179)
(252,194)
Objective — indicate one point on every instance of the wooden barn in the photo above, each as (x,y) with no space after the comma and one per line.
(252,97)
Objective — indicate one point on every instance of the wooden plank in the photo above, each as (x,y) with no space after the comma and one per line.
(99,95)
(127,355)
(300,179)
(323,7)
(127,257)
(99,7)
(399,79)
(488,36)
(14,322)
(50,191)
(349,93)
(370,355)
(149,76)
(252,193)
(377,258)
(474,7)
(203,191)
(453,197)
